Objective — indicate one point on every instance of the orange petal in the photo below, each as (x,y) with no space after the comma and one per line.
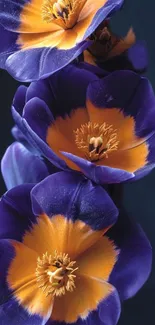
(123,45)
(47,235)
(85,298)
(31,19)
(81,27)
(37,40)
(88,58)
(124,125)
(99,260)
(62,235)
(129,160)
(22,280)
(86,16)
(60,135)
(91,7)
(68,41)
(80,237)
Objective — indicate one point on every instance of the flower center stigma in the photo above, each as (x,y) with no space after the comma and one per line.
(55,274)
(63,12)
(96,141)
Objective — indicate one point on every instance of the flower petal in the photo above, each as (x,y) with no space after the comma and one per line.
(7,7)
(20,98)
(90,291)
(6,255)
(134,264)
(80,199)
(12,313)
(100,174)
(103,315)
(108,9)
(56,90)
(138,56)
(7,45)
(19,166)
(98,260)
(47,61)
(129,92)
(21,280)
(16,212)
(109,309)
(10,310)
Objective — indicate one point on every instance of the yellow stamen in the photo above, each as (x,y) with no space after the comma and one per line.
(55,274)
(63,12)
(96,141)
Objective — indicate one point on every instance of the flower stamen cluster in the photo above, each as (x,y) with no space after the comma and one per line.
(96,141)
(55,273)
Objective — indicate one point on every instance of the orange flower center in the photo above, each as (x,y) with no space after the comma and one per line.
(55,274)
(63,12)
(96,141)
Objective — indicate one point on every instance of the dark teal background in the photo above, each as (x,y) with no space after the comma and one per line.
(139,198)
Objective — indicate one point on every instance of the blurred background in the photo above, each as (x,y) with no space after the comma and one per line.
(139,198)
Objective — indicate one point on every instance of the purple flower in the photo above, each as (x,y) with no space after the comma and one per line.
(60,256)
(40,37)
(103,128)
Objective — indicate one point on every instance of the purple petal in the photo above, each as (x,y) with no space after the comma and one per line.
(138,55)
(131,93)
(99,174)
(70,194)
(94,69)
(13,313)
(21,137)
(6,255)
(10,13)
(110,309)
(135,259)
(20,166)
(108,9)
(42,147)
(40,63)
(60,90)
(38,116)
(20,98)
(7,44)
(16,214)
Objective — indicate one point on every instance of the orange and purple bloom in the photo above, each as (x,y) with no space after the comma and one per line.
(61,260)
(40,37)
(103,128)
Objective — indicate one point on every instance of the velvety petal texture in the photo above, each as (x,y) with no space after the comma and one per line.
(67,221)
(20,166)
(29,226)
(46,41)
(136,258)
(105,130)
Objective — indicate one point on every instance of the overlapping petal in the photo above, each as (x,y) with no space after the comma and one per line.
(45,47)
(67,208)
(136,258)
(123,100)
(20,166)
(75,198)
